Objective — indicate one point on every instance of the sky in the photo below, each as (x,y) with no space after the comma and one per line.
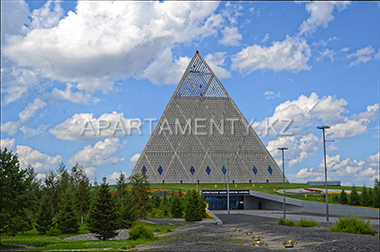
(286,65)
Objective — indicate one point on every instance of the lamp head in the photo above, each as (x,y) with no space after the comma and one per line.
(323,127)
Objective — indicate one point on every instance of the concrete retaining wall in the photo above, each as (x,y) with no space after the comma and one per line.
(274,202)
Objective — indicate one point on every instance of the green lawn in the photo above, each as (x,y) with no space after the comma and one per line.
(44,242)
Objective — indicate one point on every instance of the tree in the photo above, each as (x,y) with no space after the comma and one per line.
(103,217)
(23,221)
(376,194)
(194,209)
(128,213)
(176,206)
(354,197)
(13,187)
(343,197)
(121,187)
(140,192)
(44,219)
(165,205)
(365,199)
(156,201)
(81,184)
(67,220)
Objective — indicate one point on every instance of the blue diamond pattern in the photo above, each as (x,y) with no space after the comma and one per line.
(192,170)
(224,170)
(143,169)
(270,170)
(254,170)
(160,170)
(208,170)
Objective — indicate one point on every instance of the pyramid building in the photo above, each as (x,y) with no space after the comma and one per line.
(202,135)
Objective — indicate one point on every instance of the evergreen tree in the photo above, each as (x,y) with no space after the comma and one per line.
(82,194)
(370,192)
(194,209)
(140,192)
(67,220)
(365,199)
(376,194)
(165,205)
(156,201)
(343,198)
(14,184)
(354,197)
(121,187)
(23,221)
(103,217)
(128,213)
(176,206)
(44,219)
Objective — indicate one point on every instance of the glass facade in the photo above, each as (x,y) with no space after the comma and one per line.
(220,202)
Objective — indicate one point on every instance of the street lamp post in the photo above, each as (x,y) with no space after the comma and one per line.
(283,176)
(324,149)
(228,187)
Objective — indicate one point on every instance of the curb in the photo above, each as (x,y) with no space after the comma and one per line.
(218,221)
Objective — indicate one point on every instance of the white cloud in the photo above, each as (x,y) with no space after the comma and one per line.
(298,150)
(77,48)
(7,143)
(231,36)
(306,111)
(10,127)
(231,12)
(41,162)
(90,171)
(29,132)
(345,49)
(265,39)
(102,153)
(31,110)
(75,97)
(358,124)
(93,128)
(362,55)
(216,62)
(320,14)
(48,16)
(21,80)
(303,111)
(326,54)
(112,178)
(324,42)
(292,54)
(271,95)
(134,159)
(354,172)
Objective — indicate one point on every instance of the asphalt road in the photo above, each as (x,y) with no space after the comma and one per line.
(290,216)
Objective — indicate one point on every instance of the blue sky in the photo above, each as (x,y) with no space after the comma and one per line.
(314,63)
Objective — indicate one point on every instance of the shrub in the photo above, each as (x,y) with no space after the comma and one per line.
(53,232)
(289,222)
(306,223)
(281,221)
(352,225)
(140,230)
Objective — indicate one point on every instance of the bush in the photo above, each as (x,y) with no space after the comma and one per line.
(281,221)
(306,223)
(352,225)
(140,230)
(354,197)
(53,232)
